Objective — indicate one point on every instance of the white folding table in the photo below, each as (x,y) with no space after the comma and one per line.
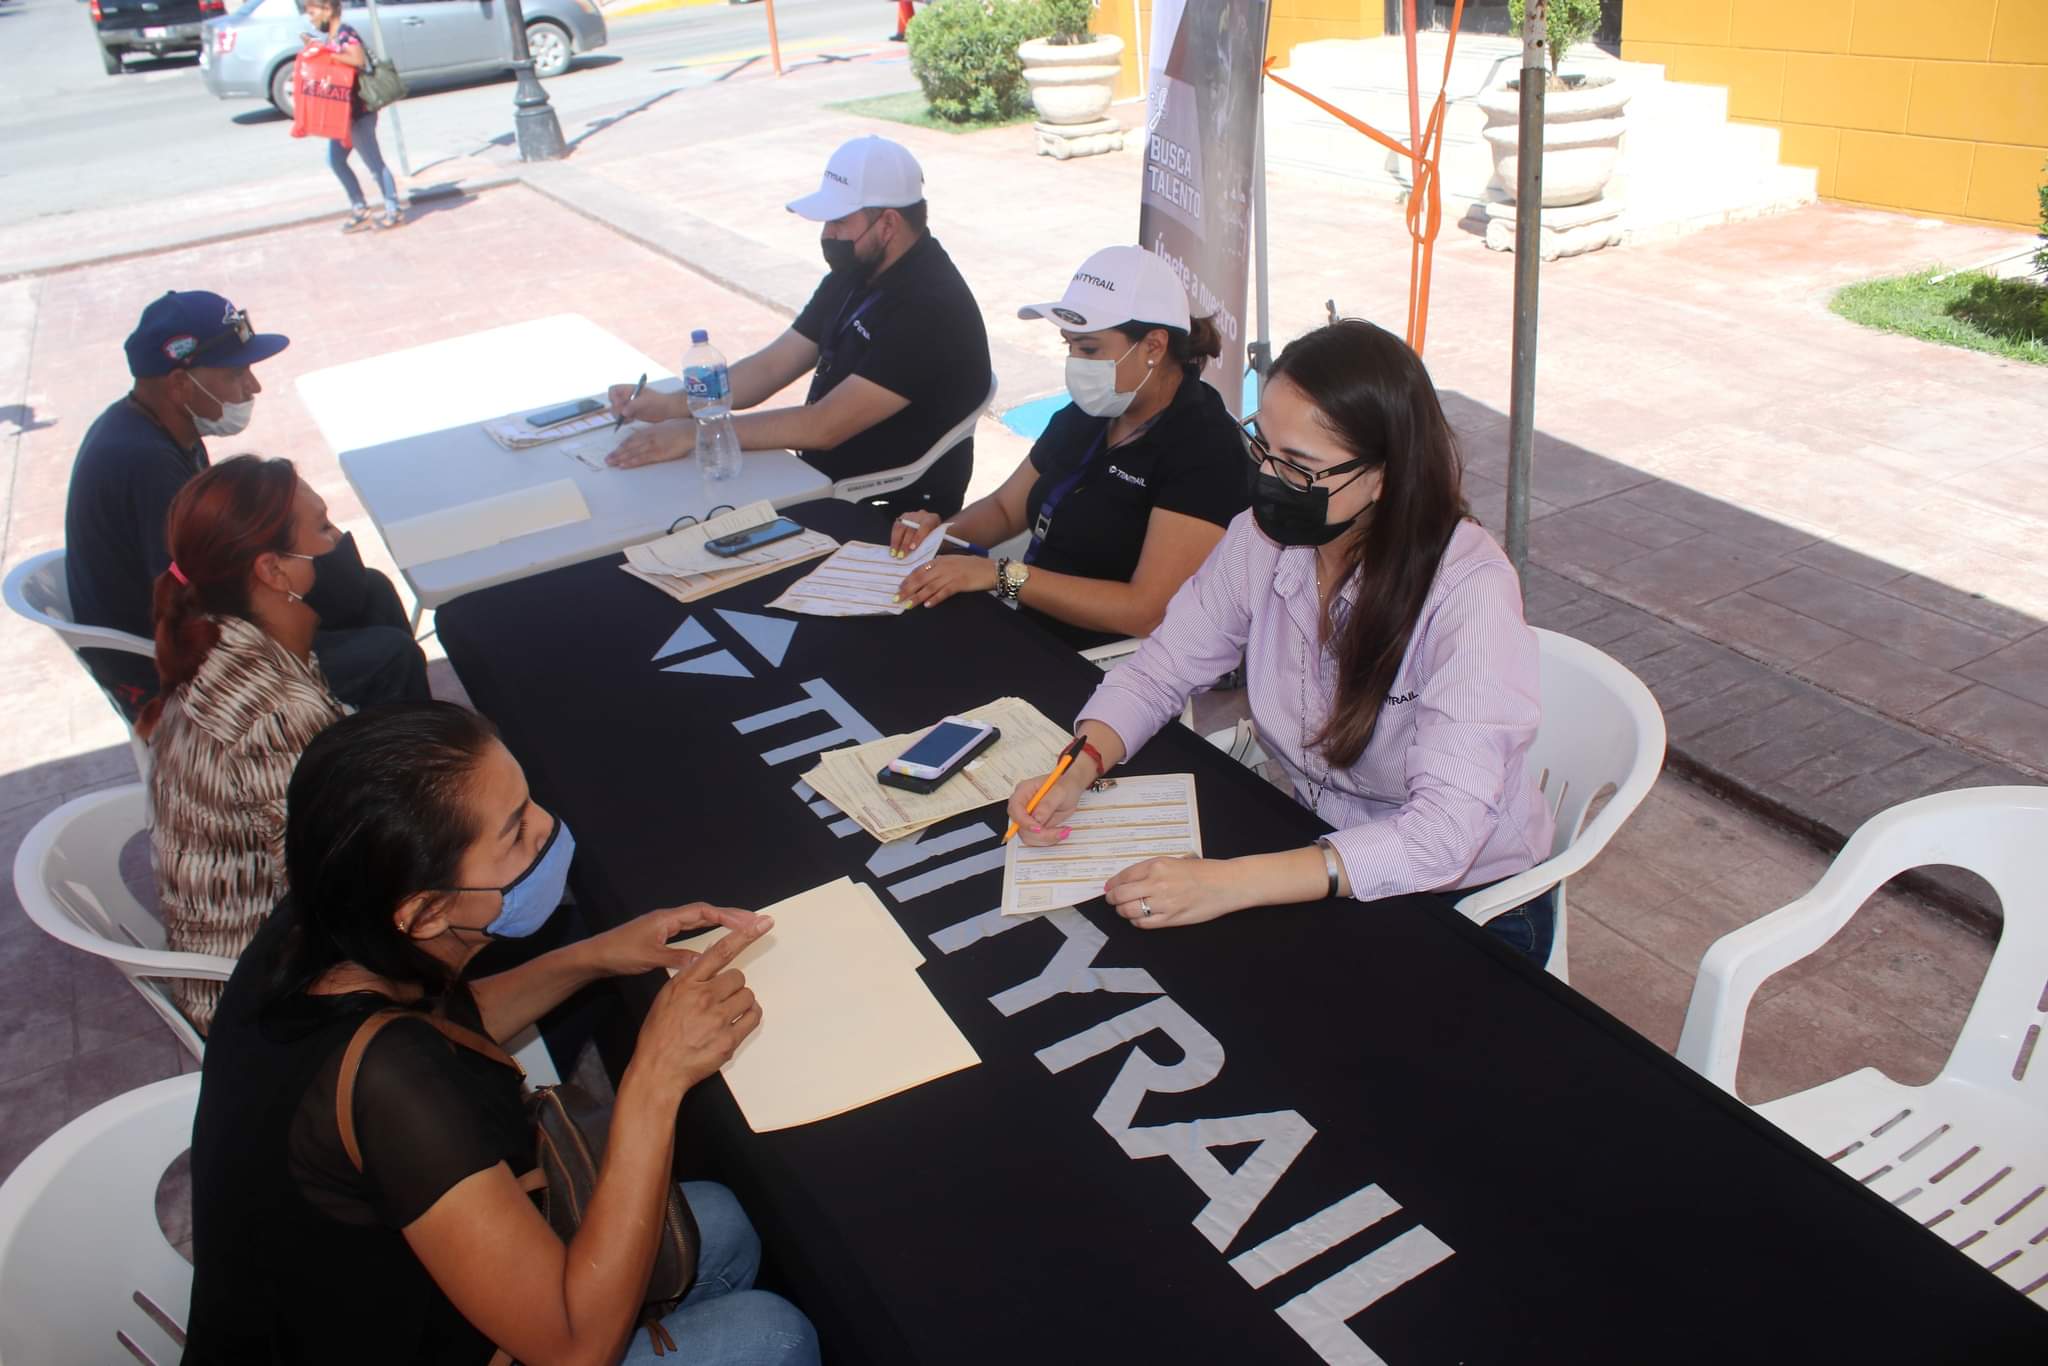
(408,429)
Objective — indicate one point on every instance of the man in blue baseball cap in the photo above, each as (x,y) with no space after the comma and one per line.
(192,357)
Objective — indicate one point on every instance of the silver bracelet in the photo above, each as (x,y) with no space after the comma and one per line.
(1330,865)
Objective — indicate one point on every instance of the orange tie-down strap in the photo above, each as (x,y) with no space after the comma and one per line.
(1425,201)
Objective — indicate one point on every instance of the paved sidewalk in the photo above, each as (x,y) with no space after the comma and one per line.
(1734,488)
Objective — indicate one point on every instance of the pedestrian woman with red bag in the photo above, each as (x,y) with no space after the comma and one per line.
(338,42)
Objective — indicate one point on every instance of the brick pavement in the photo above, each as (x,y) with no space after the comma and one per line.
(1815,543)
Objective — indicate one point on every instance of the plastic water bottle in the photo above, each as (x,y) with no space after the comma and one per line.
(707,388)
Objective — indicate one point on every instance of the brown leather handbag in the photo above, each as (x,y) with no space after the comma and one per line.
(569,1128)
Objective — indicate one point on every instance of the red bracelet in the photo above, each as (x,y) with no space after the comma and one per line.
(1092,752)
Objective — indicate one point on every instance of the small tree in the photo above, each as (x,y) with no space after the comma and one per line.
(1067,20)
(1570,22)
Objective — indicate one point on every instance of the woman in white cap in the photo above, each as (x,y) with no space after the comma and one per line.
(1131,484)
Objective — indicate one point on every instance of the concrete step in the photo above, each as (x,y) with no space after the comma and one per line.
(1683,165)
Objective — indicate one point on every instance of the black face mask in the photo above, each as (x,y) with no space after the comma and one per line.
(341,584)
(842,256)
(1293,516)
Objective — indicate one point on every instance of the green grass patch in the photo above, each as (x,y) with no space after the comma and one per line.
(909,107)
(2004,317)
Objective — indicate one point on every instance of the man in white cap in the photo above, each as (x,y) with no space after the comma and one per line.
(893,340)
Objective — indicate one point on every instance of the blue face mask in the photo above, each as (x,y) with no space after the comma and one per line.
(529,899)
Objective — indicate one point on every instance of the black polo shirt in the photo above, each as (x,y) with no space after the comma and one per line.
(1190,460)
(916,331)
(115,537)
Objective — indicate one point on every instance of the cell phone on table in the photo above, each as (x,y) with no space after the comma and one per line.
(565,412)
(938,754)
(753,538)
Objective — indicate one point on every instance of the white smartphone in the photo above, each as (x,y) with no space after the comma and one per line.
(942,748)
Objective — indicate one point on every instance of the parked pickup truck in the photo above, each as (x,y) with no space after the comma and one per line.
(155,27)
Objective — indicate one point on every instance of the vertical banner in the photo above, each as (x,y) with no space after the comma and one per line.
(1201,126)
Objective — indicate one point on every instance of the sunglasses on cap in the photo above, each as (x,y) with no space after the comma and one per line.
(239,331)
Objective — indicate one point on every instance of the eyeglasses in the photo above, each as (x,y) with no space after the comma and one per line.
(1298,477)
(239,332)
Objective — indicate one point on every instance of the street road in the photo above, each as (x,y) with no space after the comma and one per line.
(73,138)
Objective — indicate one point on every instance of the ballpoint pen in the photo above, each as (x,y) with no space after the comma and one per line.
(1067,757)
(638,389)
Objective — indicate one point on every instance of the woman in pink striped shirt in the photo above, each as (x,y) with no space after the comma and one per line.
(1388,664)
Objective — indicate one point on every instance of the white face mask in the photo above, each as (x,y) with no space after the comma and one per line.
(1092,384)
(233,419)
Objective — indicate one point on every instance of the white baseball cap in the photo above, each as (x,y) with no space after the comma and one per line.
(866,173)
(1114,286)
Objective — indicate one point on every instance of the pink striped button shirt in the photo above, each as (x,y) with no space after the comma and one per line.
(1443,796)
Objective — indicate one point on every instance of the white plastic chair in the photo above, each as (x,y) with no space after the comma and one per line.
(67,876)
(858,488)
(85,1271)
(1600,727)
(1966,1154)
(36,589)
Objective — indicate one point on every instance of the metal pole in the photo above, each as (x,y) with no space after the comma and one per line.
(533,119)
(397,132)
(1138,42)
(1260,352)
(1528,249)
(774,40)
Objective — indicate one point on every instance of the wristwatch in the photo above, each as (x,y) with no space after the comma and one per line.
(1010,577)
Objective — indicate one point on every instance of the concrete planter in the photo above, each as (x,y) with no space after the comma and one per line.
(1582,130)
(1071,83)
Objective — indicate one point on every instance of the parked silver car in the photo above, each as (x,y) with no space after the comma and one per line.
(248,54)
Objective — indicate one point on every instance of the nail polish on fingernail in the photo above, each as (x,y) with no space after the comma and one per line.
(1065,833)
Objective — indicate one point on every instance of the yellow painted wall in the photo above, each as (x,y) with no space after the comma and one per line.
(1294,21)
(1931,106)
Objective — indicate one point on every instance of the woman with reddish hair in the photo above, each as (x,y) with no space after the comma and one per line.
(242,697)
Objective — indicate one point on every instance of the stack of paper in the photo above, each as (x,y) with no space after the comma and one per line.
(515,433)
(845,1019)
(484,523)
(1127,821)
(860,580)
(679,565)
(1029,748)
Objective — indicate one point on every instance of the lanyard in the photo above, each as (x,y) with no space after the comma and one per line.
(1059,491)
(831,347)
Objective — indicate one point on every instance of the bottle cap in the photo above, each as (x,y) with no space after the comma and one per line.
(699,337)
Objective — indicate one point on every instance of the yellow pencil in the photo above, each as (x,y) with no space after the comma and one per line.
(1067,757)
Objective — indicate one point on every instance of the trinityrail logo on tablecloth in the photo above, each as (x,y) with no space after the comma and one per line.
(769,636)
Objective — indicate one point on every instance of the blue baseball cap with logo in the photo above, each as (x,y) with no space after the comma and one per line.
(192,327)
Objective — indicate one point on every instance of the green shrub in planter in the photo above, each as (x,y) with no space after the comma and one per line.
(1067,20)
(964,55)
(1570,21)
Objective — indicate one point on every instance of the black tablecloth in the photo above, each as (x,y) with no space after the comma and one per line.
(1574,1193)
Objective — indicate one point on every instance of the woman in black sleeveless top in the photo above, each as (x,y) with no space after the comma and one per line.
(410,842)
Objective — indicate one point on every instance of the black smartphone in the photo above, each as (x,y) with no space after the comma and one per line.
(753,538)
(566,412)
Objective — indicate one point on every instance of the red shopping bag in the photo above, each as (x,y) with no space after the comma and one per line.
(323,87)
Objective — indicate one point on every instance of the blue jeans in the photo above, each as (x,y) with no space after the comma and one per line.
(362,131)
(724,1321)
(1529,927)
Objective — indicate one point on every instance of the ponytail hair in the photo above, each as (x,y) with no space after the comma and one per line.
(218,525)
(1191,349)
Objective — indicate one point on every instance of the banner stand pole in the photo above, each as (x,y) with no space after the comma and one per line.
(1259,354)
(397,132)
(1528,257)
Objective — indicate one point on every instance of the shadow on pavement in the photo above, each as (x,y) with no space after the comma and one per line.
(262,114)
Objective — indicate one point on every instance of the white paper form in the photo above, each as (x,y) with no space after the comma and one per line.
(515,433)
(1152,816)
(1029,747)
(860,580)
(845,1019)
(485,522)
